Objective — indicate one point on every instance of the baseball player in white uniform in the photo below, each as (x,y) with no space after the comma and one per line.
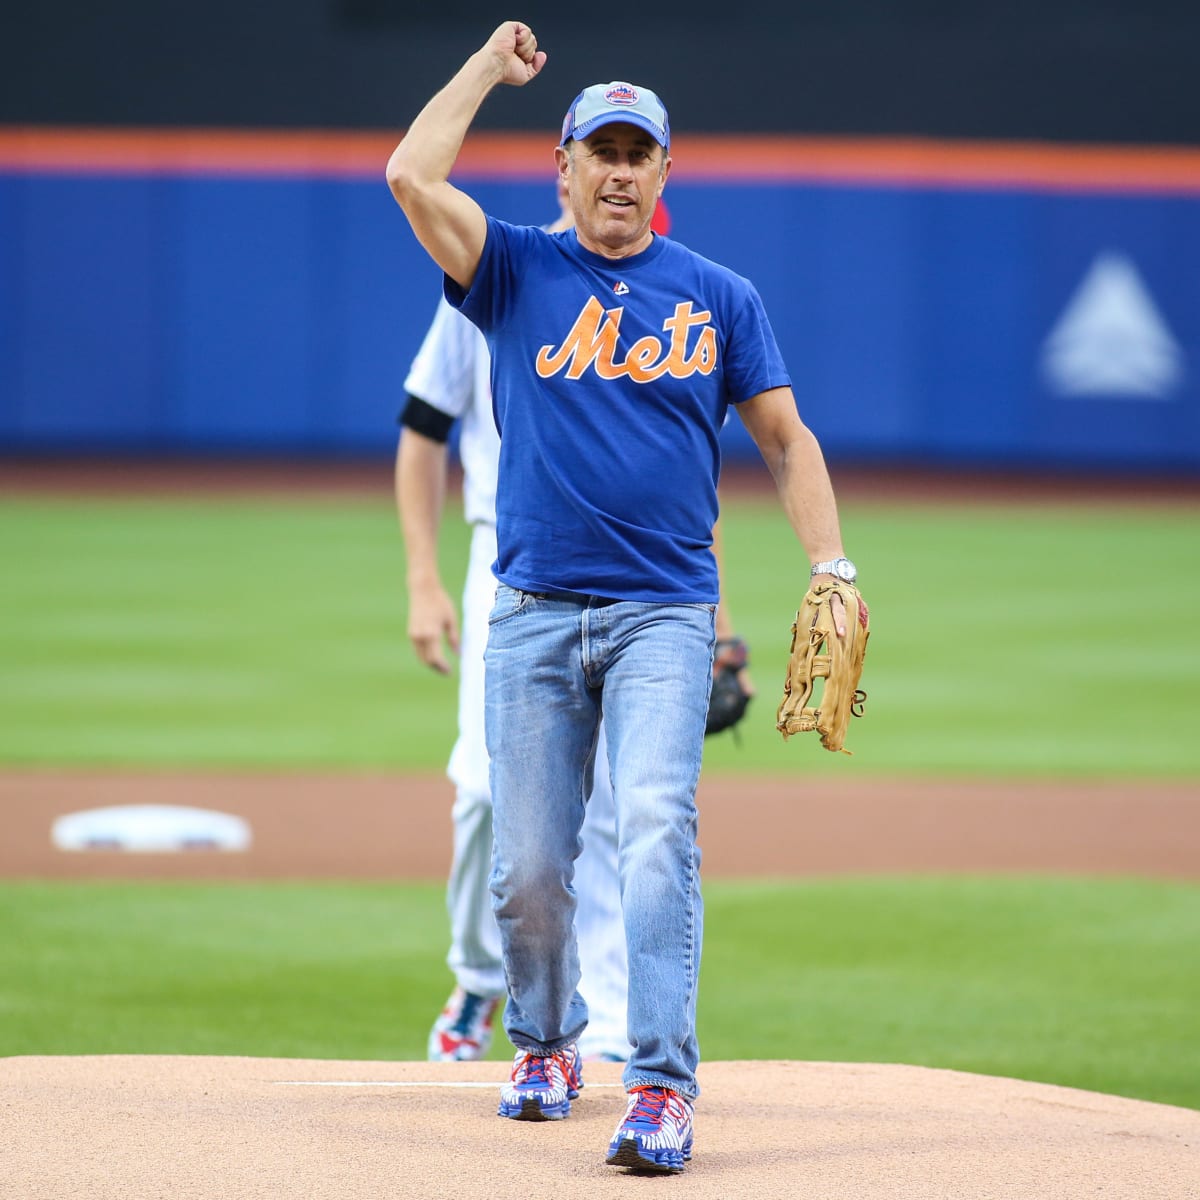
(450,380)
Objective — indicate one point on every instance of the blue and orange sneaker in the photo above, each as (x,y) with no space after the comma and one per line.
(463,1030)
(655,1133)
(542,1088)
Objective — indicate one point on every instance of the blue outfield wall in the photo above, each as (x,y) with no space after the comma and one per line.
(175,314)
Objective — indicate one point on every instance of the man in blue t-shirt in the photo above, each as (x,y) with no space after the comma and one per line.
(616,354)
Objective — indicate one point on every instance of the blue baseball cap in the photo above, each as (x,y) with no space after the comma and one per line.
(605,103)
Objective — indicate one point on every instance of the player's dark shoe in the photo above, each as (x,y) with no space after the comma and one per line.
(541,1089)
(655,1133)
(463,1030)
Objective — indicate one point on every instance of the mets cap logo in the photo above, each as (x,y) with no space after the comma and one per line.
(622,93)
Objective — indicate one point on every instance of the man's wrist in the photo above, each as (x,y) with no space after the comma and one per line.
(423,580)
(839,568)
(491,66)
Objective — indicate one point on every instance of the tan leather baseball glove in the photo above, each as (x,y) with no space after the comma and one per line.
(818,653)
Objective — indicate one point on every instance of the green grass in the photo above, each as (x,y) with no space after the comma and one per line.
(228,633)
(1081,983)
(1085,983)
(271,634)
(284,969)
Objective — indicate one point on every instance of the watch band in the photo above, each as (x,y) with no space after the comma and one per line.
(841,568)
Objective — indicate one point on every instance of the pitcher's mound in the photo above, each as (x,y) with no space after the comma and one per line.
(137,1127)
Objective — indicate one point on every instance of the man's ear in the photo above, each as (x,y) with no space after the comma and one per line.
(562,163)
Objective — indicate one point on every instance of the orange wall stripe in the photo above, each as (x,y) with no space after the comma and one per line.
(928,162)
(356,154)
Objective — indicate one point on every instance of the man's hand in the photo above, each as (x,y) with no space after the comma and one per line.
(515,49)
(432,616)
(837,607)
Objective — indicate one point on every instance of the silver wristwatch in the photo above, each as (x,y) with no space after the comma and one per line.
(843,568)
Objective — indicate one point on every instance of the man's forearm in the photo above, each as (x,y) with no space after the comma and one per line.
(447,222)
(427,154)
(807,495)
(420,498)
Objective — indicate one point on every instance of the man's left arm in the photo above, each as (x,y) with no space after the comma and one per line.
(793,456)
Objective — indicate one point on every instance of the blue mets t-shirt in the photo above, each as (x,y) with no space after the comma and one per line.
(610,383)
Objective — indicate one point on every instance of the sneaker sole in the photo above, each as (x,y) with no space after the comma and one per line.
(629,1154)
(530,1109)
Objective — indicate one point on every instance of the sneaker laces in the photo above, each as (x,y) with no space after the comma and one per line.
(651,1102)
(535,1069)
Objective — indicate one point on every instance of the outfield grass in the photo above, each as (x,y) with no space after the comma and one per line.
(1076,982)
(271,634)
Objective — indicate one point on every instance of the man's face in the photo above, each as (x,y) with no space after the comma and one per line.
(614,178)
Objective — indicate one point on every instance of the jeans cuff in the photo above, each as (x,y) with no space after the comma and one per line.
(688,1092)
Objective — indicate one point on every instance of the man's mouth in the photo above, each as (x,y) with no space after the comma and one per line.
(619,201)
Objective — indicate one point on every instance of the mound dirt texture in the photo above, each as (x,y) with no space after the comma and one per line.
(144,1128)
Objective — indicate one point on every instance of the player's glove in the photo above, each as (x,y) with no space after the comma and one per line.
(728,699)
(818,653)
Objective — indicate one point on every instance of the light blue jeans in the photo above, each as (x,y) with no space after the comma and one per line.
(553,664)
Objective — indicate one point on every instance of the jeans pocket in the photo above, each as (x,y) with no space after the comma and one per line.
(509,602)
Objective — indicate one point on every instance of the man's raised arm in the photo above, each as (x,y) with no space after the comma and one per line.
(447,222)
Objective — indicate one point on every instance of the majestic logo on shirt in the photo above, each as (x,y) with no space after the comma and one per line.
(621,288)
(593,342)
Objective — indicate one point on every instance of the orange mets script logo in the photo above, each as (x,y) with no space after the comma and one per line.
(592,342)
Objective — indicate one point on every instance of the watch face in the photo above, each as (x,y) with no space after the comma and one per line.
(845,570)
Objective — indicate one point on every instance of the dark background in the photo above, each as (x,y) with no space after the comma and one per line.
(1076,70)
